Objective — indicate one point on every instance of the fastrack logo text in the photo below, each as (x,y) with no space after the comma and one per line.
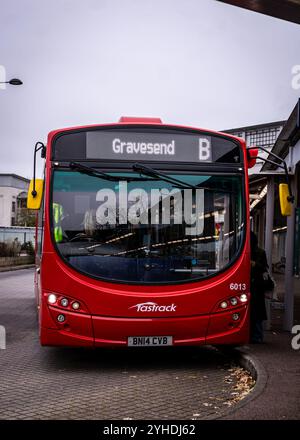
(153,307)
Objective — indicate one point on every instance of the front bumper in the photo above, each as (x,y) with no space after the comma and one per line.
(101,331)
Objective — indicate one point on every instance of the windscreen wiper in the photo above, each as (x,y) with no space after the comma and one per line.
(96,173)
(151,172)
(91,171)
(147,171)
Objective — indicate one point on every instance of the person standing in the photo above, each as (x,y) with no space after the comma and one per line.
(258,313)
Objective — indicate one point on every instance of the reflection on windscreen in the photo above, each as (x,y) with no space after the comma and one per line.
(147,230)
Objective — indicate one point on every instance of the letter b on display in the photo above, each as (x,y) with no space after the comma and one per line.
(204,150)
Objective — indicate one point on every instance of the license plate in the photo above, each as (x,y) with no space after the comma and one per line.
(149,341)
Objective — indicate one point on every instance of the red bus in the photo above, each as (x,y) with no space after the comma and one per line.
(142,236)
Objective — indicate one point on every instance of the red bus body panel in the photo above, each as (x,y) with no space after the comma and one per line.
(108,316)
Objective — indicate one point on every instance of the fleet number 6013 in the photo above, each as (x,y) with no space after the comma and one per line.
(237,286)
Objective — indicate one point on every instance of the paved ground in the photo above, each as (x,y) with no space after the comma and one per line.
(56,383)
(280,399)
(277,314)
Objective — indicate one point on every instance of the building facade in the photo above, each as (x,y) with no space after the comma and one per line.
(287,147)
(13,197)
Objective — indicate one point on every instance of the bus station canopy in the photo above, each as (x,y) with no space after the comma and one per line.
(285,9)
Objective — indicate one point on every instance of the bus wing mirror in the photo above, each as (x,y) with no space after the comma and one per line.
(284,198)
(252,156)
(35,194)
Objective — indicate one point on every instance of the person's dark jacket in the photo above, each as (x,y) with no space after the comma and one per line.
(260,266)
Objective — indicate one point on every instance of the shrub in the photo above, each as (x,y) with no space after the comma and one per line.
(28,248)
(10,248)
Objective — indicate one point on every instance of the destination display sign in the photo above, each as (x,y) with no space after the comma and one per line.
(157,146)
(148,146)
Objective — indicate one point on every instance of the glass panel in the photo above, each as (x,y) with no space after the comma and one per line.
(147,230)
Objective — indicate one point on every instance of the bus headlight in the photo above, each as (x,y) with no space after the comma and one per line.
(224,304)
(64,302)
(75,305)
(243,298)
(52,298)
(232,302)
(235,316)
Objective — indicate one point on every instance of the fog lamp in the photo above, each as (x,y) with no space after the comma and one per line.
(236,316)
(60,318)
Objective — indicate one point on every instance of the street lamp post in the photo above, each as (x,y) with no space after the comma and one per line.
(13,81)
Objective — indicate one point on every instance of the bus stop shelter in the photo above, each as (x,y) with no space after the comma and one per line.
(287,147)
(285,9)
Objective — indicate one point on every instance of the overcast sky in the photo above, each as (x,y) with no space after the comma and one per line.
(193,62)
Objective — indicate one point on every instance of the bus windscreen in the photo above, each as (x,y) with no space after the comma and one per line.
(147,230)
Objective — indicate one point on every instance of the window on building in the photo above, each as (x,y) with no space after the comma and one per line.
(265,137)
(239,134)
